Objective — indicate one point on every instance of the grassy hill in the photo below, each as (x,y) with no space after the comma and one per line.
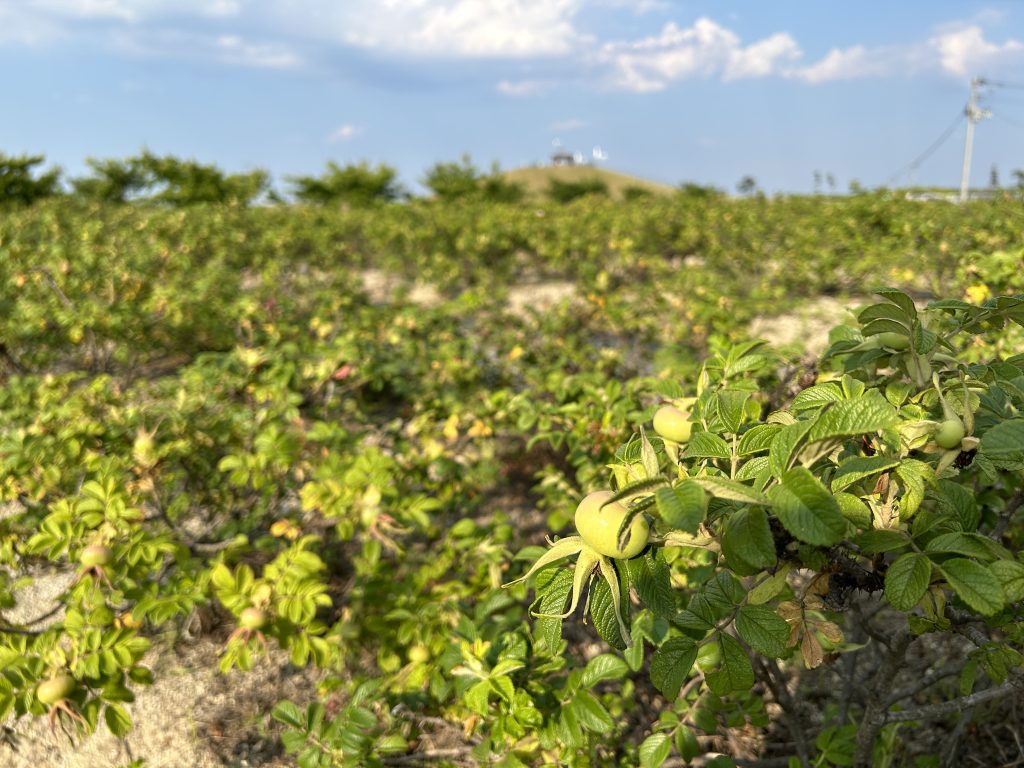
(535,179)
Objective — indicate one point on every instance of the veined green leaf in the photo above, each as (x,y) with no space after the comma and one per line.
(807,509)
(907,580)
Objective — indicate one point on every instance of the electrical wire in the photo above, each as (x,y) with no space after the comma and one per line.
(916,162)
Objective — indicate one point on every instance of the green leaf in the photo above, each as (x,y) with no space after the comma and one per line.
(970,544)
(1010,574)
(591,713)
(807,509)
(1003,445)
(682,507)
(553,591)
(763,630)
(854,509)
(770,587)
(605,666)
(647,455)
(118,721)
(650,576)
(786,444)
(875,542)
(899,298)
(724,488)
(914,474)
(731,403)
(633,489)
(707,445)
(735,673)
(289,714)
(975,584)
(749,537)
(602,613)
(848,418)
(885,311)
(859,468)
(818,396)
(671,665)
(907,580)
(654,750)
(757,439)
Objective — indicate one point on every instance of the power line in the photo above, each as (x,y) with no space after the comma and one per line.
(916,162)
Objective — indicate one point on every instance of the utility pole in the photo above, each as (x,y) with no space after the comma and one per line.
(974,114)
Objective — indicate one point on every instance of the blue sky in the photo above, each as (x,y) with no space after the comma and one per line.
(674,91)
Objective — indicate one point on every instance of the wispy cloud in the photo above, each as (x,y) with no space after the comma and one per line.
(570,124)
(344,132)
(522,87)
(234,50)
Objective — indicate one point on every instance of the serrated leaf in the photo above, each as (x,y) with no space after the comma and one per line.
(1003,444)
(914,474)
(603,667)
(602,613)
(635,489)
(807,509)
(682,507)
(875,542)
(730,404)
(757,439)
(887,311)
(854,509)
(818,396)
(591,713)
(706,445)
(749,537)
(864,415)
(649,576)
(553,591)
(899,298)
(786,444)
(969,544)
(907,580)
(735,673)
(860,468)
(118,720)
(671,665)
(884,325)
(654,750)
(724,488)
(763,630)
(1010,574)
(770,587)
(975,584)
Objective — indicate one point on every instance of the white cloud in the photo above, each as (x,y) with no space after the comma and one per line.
(522,87)
(345,132)
(704,49)
(843,64)
(965,51)
(234,50)
(462,28)
(570,124)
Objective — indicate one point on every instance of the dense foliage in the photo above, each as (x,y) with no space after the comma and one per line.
(216,409)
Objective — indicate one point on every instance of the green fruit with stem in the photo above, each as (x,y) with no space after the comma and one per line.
(672,424)
(894,340)
(599,526)
(949,434)
(252,619)
(57,688)
(96,556)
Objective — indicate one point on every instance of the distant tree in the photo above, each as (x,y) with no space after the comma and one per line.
(747,185)
(113,181)
(1018,177)
(186,182)
(355,184)
(453,181)
(566,191)
(18,183)
(633,192)
(699,191)
(993,177)
(168,180)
